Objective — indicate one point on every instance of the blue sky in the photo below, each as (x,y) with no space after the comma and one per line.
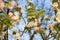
(21,25)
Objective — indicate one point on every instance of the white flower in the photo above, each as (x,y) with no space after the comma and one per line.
(58,20)
(17,36)
(55,4)
(22,11)
(11,6)
(15,17)
(36,20)
(58,15)
(27,25)
(13,2)
(16,13)
(51,26)
(54,22)
(33,16)
(35,24)
(28,7)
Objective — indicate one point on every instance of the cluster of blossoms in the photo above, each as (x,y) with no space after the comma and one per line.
(12,11)
(34,25)
(16,35)
(55,7)
(10,8)
(56,17)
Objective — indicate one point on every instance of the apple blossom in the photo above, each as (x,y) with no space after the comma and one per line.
(54,22)
(11,5)
(33,16)
(28,7)
(55,4)
(27,25)
(15,18)
(3,33)
(51,26)
(58,15)
(17,36)
(16,13)
(58,20)
(35,24)
(36,20)
(22,11)
(13,2)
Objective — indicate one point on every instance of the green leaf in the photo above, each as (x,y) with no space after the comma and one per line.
(32,9)
(31,14)
(32,5)
(5,20)
(58,6)
(41,12)
(41,31)
(53,1)
(6,3)
(57,27)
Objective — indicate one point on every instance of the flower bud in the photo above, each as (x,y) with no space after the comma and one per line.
(46,17)
(18,6)
(1,5)
(36,29)
(14,32)
(10,14)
